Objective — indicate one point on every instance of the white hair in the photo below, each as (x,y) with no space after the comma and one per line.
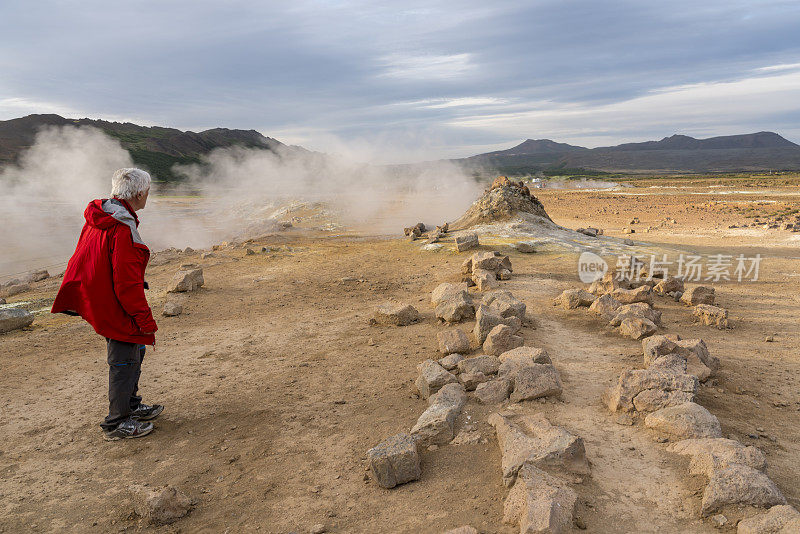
(127,183)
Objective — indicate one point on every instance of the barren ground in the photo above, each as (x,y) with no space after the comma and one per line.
(276,386)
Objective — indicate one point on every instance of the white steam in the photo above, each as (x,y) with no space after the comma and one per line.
(237,193)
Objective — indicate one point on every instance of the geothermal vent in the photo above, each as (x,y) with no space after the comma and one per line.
(505,200)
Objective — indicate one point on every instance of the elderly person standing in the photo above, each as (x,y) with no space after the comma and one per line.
(104,284)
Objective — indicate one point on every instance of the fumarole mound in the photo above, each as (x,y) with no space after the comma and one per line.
(504,200)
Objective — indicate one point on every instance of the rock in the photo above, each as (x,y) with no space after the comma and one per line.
(445,291)
(501,339)
(637,310)
(605,306)
(668,285)
(673,363)
(466,242)
(249,252)
(712,315)
(207,255)
(172,308)
(395,314)
(780,519)
(719,520)
(504,274)
(450,362)
(700,363)
(539,503)
(2,301)
(629,296)
(13,289)
(485,364)
(432,377)
(394,461)
(435,425)
(637,327)
(739,485)
(494,391)
(698,295)
(487,261)
(472,380)
(37,276)
(14,319)
(188,250)
(591,232)
(570,299)
(503,303)
(627,230)
(186,280)
(647,390)
(463,530)
(164,506)
(452,340)
(536,381)
(486,320)
(318,529)
(656,346)
(525,247)
(513,360)
(484,280)
(455,307)
(684,421)
(450,394)
(710,454)
(531,439)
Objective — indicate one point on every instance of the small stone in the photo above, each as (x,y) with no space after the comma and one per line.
(395,461)
(395,314)
(685,421)
(172,309)
(189,278)
(14,319)
(432,377)
(318,529)
(769,339)
(711,315)
(453,340)
(450,361)
(164,506)
(525,247)
(698,295)
(494,391)
(466,242)
(501,339)
(535,381)
(719,520)
(780,519)
(471,380)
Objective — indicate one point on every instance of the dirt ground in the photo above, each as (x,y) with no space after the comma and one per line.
(275,386)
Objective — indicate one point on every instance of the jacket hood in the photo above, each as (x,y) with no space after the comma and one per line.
(105,213)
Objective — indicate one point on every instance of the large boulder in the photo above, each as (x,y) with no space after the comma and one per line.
(668,285)
(189,278)
(14,319)
(647,390)
(629,296)
(486,320)
(513,360)
(531,439)
(569,299)
(636,310)
(393,314)
(505,304)
(699,362)
(501,339)
(455,307)
(536,381)
(739,485)
(605,306)
(445,291)
(494,391)
(394,461)
(710,454)
(452,341)
(432,377)
(780,519)
(539,503)
(466,241)
(685,421)
(637,327)
(698,295)
(435,425)
(484,363)
(711,315)
(484,280)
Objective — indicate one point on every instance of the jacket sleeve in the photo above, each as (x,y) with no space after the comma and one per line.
(128,264)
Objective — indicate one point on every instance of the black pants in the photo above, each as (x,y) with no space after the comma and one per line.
(124,368)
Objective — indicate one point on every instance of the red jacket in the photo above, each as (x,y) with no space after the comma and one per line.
(104,280)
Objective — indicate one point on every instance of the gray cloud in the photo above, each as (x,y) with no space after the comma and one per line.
(425,80)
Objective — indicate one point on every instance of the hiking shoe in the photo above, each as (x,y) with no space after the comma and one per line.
(143,412)
(129,428)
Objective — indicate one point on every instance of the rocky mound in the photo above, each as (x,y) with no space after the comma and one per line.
(503,201)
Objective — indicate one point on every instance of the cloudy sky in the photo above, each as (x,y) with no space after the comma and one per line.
(403,81)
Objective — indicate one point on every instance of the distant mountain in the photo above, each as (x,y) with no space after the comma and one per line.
(155,148)
(677,153)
